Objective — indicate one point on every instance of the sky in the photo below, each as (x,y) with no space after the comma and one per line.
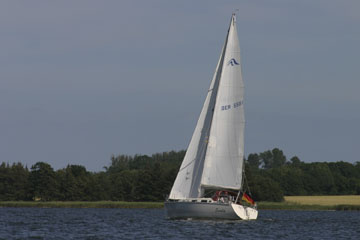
(81,81)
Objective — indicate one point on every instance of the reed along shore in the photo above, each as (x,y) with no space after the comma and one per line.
(82,204)
(348,202)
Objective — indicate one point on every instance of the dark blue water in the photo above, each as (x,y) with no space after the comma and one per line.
(60,223)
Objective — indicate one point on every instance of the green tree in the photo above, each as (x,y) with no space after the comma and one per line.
(43,184)
(98,187)
(254,160)
(20,175)
(289,178)
(295,161)
(318,179)
(265,189)
(273,158)
(13,182)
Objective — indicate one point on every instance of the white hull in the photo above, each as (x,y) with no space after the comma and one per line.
(209,210)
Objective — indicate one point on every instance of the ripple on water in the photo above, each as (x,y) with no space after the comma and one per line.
(60,223)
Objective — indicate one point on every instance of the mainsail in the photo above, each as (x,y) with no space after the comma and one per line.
(215,154)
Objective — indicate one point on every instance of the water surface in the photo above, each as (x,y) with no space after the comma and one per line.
(90,223)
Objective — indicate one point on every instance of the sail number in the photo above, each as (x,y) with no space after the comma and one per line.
(235,105)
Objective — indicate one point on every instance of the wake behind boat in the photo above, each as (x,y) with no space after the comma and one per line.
(210,181)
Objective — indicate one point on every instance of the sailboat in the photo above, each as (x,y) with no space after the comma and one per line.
(209,183)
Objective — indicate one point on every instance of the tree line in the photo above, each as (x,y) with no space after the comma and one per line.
(269,177)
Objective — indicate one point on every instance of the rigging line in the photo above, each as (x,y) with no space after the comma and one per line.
(187,165)
(242,177)
(242,182)
(247,184)
(196,171)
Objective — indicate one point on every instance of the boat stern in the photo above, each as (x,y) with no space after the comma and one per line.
(244,212)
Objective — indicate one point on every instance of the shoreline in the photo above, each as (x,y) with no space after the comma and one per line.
(306,207)
(81,204)
(157,205)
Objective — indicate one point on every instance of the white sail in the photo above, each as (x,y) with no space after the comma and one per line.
(226,125)
(187,182)
(225,151)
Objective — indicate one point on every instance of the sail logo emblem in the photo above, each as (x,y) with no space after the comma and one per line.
(233,62)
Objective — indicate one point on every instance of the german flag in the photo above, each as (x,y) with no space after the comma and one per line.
(247,199)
